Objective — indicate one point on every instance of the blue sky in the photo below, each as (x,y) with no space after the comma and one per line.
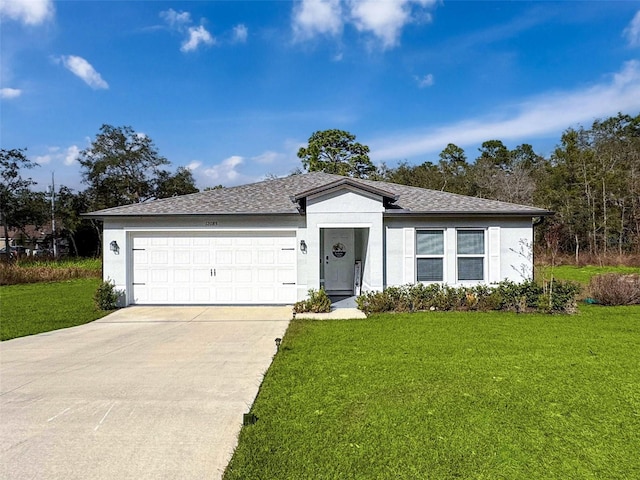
(232,89)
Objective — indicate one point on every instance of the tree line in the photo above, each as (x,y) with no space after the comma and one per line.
(121,166)
(591,181)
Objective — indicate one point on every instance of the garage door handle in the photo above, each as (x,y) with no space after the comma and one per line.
(213,272)
(288,283)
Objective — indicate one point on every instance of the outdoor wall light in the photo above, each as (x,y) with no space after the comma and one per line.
(303,246)
(113,246)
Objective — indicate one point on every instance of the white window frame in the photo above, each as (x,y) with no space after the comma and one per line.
(484,255)
(429,256)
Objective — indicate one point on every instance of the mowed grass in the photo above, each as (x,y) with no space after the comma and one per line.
(41,307)
(580,274)
(444,395)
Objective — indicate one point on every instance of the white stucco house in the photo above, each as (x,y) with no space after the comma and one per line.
(270,242)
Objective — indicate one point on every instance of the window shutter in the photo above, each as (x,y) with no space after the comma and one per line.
(409,255)
(494,255)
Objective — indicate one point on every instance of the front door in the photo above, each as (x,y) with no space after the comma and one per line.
(338,258)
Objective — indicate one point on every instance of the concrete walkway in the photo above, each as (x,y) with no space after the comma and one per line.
(344,309)
(144,393)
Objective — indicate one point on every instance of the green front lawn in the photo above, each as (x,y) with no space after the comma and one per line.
(580,274)
(450,395)
(40,307)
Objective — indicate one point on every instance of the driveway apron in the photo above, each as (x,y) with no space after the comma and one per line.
(144,393)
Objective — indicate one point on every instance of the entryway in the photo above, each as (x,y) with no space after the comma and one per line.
(343,257)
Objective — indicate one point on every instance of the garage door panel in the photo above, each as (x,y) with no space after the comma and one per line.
(243,294)
(159,257)
(141,276)
(286,256)
(201,257)
(159,294)
(200,241)
(225,268)
(286,275)
(243,275)
(243,257)
(182,275)
(158,276)
(266,295)
(182,257)
(201,275)
(201,295)
(224,257)
(223,276)
(266,275)
(266,257)
(224,295)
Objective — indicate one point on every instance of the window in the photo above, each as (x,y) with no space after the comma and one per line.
(430,255)
(470,254)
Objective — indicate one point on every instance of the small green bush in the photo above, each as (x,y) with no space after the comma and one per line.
(106,296)
(553,297)
(318,302)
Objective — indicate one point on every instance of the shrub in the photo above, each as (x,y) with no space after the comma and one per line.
(554,297)
(518,297)
(318,302)
(374,302)
(106,296)
(615,289)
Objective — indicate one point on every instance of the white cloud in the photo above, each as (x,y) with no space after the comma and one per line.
(312,17)
(175,19)
(83,70)
(194,165)
(197,36)
(240,33)
(545,114)
(384,19)
(225,170)
(43,159)
(29,12)
(71,155)
(632,32)
(9,93)
(68,156)
(267,157)
(425,81)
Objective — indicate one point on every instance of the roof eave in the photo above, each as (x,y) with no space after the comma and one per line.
(342,182)
(458,213)
(95,215)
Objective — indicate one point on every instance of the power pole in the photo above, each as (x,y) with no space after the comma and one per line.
(53,215)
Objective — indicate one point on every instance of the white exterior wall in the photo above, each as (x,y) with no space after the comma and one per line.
(506,240)
(117,267)
(346,208)
(388,251)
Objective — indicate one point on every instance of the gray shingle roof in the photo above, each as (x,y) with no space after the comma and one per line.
(273,197)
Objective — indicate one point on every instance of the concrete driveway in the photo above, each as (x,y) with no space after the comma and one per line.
(144,393)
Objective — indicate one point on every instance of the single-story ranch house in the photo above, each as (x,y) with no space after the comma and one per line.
(270,242)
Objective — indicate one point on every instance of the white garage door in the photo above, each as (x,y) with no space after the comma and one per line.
(228,268)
